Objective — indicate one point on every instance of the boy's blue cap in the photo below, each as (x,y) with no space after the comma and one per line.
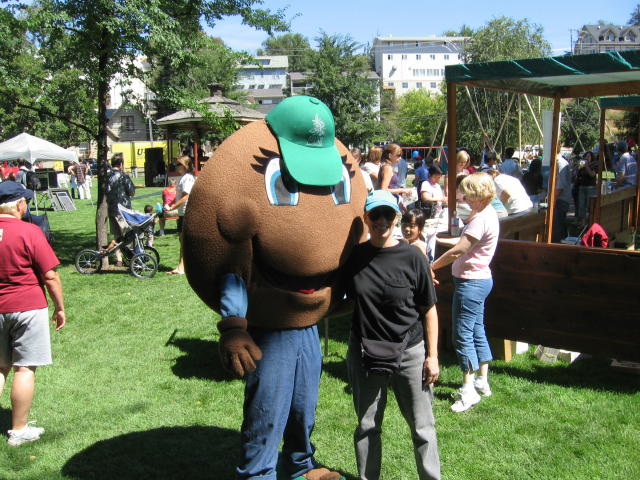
(381,198)
(12,191)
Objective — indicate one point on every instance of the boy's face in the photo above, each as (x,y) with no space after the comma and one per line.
(435,178)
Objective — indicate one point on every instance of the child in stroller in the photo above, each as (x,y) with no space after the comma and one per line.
(140,257)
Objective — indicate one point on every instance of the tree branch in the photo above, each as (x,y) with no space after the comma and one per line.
(59,117)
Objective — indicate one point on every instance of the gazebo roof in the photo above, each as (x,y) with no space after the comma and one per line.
(217,104)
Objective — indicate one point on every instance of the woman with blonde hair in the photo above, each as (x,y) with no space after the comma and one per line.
(471,255)
(388,178)
(372,165)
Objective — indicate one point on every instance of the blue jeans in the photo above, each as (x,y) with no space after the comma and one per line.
(280,404)
(584,194)
(469,338)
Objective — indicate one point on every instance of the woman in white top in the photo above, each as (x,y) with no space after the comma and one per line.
(184,167)
(511,192)
(372,165)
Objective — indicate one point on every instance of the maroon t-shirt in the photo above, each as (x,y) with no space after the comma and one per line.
(25,256)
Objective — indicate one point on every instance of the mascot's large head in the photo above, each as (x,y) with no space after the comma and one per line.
(279,204)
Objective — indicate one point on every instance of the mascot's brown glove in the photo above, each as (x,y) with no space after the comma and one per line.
(237,349)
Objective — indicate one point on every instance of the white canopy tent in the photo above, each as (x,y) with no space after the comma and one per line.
(34,148)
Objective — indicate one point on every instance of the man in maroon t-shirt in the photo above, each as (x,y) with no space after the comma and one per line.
(27,266)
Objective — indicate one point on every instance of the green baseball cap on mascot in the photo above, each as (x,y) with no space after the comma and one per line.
(306,132)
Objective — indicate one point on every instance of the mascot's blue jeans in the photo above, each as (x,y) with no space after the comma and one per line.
(280,403)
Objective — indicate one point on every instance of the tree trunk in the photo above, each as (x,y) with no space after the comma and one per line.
(101,210)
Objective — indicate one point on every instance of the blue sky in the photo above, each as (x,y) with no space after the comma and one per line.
(364,20)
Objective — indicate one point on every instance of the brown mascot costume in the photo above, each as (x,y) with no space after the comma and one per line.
(271,219)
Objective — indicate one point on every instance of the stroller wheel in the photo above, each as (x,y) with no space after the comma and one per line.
(153,252)
(143,265)
(88,261)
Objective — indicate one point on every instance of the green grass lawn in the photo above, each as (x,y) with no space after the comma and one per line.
(137,392)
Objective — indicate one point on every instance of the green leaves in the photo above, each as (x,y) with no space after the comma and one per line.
(340,79)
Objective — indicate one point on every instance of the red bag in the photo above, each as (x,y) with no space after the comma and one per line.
(595,237)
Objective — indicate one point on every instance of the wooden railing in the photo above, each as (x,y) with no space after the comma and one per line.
(576,298)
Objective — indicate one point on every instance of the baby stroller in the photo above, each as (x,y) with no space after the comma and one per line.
(142,260)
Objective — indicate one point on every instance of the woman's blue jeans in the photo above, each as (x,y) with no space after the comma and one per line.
(469,338)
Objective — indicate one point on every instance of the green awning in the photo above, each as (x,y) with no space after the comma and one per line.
(567,76)
(630,102)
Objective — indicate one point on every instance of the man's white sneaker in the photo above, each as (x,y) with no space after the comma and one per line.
(482,387)
(28,433)
(467,398)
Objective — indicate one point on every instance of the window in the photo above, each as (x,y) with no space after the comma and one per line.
(418,84)
(432,56)
(404,57)
(630,37)
(265,61)
(275,85)
(405,84)
(418,57)
(389,57)
(446,57)
(611,37)
(252,87)
(433,85)
(260,87)
(127,123)
(266,101)
(390,84)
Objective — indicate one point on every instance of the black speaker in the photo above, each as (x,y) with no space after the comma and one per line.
(48,178)
(153,165)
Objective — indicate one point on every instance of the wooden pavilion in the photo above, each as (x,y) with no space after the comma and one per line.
(194,122)
(565,296)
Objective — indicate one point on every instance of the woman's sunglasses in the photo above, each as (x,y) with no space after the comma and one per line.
(387,213)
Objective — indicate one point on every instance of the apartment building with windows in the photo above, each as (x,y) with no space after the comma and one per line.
(411,63)
(607,38)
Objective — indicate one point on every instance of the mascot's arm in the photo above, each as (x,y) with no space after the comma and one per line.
(237,349)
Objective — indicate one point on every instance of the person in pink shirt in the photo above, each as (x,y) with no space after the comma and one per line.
(471,255)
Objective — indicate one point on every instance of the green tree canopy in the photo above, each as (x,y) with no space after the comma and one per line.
(634,19)
(419,117)
(340,79)
(294,45)
(103,38)
(501,38)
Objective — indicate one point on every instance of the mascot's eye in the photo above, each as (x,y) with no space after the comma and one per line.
(281,189)
(341,192)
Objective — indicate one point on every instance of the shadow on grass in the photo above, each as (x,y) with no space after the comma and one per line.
(5,419)
(163,453)
(201,360)
(586,372)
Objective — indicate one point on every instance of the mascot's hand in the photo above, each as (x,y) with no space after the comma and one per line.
(237,349)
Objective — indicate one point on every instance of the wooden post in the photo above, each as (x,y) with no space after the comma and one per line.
(601,162)
(553,173)
(451,149)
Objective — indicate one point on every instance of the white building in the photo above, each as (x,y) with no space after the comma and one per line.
(607,38)
(123,87)
(269,72)
(411,63)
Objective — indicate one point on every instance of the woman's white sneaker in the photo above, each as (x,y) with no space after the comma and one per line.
(26,434)
(467,398)
(482,387)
